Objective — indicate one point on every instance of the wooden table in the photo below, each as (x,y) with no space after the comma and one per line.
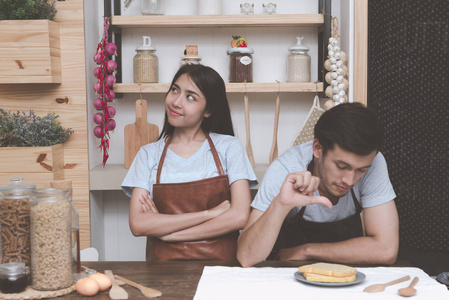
(176,280)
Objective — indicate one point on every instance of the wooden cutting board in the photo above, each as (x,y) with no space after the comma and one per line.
(139,134)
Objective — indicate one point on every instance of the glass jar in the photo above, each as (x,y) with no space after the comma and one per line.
(191,60)
(152,7)
(51,257)
(15,221)
(241,64)
(75,224)
(298,63)
(146,63)
(209,7)
(14,277)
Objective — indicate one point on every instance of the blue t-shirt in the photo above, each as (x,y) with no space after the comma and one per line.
(374,187)
(200,165)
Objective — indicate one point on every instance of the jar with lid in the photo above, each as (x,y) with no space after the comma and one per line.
(14,277)
(75,224)
(152,7)
(298,63)
(51,257)
(241,64)
(146,63)
(15,221)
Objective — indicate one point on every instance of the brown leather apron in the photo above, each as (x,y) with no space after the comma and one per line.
(186,197)
(300,231)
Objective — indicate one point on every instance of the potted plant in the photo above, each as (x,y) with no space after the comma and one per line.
(31,146)
(29,42)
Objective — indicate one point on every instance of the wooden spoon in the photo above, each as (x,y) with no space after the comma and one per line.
(116,292)
(274,145)
(409,291)
(249,148)
(146,291)
(380,287)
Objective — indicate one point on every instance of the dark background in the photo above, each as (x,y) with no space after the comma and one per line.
(408,84)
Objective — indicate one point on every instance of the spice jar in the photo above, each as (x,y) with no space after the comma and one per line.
(146,63)
(298,63)
(241,64)
(13,277)
(152,7)
(15,221)
(51,259)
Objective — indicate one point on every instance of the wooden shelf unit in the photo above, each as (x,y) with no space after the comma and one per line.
(162,88)
(219,21)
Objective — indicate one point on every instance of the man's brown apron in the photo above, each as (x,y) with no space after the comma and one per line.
(186,197)
(300,231)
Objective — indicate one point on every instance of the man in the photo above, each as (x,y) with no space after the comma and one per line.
(309,202)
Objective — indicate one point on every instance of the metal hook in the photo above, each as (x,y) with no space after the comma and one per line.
(140,90)
(279,87)
(246,92)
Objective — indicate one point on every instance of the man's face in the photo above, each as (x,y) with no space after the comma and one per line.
(339,170)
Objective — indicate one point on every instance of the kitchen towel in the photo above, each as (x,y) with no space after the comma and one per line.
(306,133)
(279,283)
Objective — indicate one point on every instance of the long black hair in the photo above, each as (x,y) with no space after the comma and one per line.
(352,126)
(213,88)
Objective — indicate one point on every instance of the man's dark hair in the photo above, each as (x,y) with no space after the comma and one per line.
(352,126)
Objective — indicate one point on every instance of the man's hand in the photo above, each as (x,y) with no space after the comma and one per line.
(297,190)
(294,253)
(147,203)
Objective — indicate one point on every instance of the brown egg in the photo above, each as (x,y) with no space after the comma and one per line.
(103,280)
(87,286)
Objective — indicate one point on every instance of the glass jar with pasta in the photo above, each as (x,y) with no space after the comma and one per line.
(51,257)
(15,222)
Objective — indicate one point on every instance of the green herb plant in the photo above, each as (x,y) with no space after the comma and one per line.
(27,9)
(18,129)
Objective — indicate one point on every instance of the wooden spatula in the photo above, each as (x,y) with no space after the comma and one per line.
(146,291)
(139,134)
(116,292)
(380,287)
(248,147)
(274,145)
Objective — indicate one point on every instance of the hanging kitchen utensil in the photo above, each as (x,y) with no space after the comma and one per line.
(306,133)
(274,145)
(249,149)
(139,134)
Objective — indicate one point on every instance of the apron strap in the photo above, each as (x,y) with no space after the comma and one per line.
(212,148)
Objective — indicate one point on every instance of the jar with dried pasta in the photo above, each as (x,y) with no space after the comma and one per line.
(51,257)
(15,222)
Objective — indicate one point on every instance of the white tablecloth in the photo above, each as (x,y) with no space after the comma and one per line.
(279,283)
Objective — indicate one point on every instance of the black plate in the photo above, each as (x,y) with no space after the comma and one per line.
(358,278)
(443,278)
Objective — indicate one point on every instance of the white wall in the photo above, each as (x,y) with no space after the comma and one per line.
(110,209)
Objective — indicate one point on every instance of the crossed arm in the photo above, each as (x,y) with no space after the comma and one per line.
(379,246)
(145,220)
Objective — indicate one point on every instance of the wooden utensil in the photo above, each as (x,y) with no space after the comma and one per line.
(380,287)
(139,134)
(146,291)
(116,292)
(274,145)
(409,291)
(248,147)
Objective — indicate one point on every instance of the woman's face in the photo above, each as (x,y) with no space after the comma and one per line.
(185,104)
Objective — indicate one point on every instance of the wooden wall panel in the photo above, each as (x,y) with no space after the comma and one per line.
(44,98)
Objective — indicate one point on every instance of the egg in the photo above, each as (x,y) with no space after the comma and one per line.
(87,286)
(103,280)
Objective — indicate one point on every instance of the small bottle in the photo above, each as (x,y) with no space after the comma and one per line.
(152,7)
(51,249)
(146,63)
(14,277)
(298,63)
(241,64)
(15,221)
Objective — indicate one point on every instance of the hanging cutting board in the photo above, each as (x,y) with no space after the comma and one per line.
(139,134)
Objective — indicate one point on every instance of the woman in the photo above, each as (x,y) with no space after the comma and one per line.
(190,190)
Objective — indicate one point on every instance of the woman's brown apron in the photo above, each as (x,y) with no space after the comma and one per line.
(186,197)
(300,231)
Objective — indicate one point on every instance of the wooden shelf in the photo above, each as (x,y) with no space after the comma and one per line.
(111,176)
(197,21)
(284,87)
